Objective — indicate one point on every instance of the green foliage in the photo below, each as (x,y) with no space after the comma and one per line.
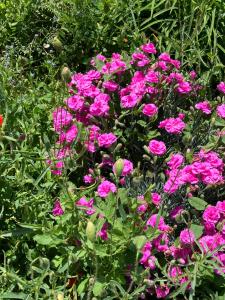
(191,30)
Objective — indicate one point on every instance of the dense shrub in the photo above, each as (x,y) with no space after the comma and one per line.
(138,169)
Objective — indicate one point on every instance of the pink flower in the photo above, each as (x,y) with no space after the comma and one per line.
(100,106)
(187,237)
(110,85)
(88,179)
(93,75)
(149,48)
(193,74)
(150,110)
(103,232)
(106,140)
(127,167)
(61,118)
(161,243)
(101,57)
(173,125)
(176,160)
(175,272)
(156,220)
(162,291)
(207,242)
(211,214)
(221,111)
(204,107)
(75,103)
(221,87)
(152,76)
(142,208)
(220,205)
(69,136)
(88,205)
(184,87)
(156,199)
(129,101)
(176,212)
(57,209)
(157,147)
(164,56)
(105,188)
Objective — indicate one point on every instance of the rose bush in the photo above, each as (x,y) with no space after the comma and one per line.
(147,140)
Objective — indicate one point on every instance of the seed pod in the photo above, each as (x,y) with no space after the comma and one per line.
(57,44)
(90,231)
(66,74)
(118,167)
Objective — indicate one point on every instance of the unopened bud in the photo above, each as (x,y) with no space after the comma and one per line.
(149,283)
(66,74)
(118,167)
(118,147)
(146,157)
(60,296)
(57,44)
(213,121)
(186,138)
(90,231)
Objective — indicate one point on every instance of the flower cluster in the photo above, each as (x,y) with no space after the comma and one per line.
(142,123)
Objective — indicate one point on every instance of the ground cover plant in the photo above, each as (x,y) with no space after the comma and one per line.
(132,191)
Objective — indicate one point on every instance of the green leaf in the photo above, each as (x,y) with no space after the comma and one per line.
(98,288)
(82,286)
(11,295)
(197,203)
(139,241)
(197,229)
(47,239)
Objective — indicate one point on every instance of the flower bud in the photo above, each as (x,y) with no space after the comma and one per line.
(66,74)
(118,167)
(186,138)
(57,44)
(213,121)
(118,147)
(90,231)
(60,296)
(91,280)
(149,283)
